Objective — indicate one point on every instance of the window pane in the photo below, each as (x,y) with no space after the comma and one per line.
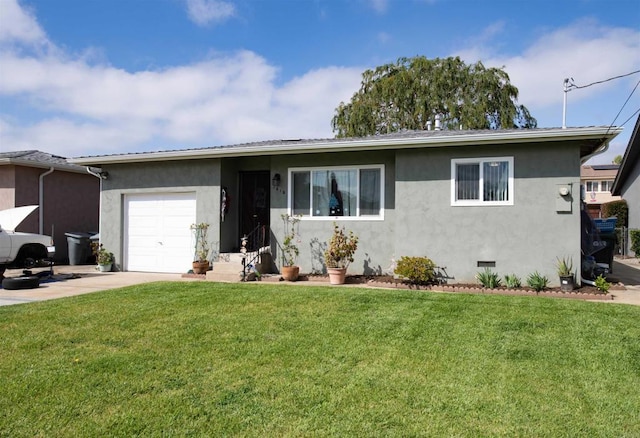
(592,186)
(467,181)
(301,193)
(606,186)
(334,192)
(495,181)
(369,192)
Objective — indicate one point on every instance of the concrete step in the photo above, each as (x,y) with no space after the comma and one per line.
(223,277)
(227,268)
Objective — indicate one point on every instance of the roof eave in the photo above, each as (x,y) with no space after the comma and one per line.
(302,147)
(41,165)
(631,157)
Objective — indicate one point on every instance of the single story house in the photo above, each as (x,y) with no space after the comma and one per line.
(504,199)
(627,182)
(67,196)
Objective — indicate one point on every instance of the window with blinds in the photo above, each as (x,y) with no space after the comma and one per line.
(482,181)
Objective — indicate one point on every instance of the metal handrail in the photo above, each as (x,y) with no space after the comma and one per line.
(250,245)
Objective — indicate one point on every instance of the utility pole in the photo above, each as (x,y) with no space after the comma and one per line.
(564,105)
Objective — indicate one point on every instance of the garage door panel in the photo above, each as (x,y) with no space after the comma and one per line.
(158,231)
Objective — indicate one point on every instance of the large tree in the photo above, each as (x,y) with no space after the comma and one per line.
(407,94)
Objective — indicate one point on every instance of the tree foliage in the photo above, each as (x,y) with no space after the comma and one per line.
(407,94)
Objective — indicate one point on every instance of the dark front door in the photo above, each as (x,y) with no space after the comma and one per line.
(255,204)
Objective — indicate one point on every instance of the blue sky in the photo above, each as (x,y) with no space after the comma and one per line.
(93,77)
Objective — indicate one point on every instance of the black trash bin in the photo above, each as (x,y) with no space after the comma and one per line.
(607,229)
(79,247)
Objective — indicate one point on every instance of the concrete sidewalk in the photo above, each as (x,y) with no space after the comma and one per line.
(78,280)
(626,272)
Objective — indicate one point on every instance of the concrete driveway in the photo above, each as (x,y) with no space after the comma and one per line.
(627,273)
(77,280)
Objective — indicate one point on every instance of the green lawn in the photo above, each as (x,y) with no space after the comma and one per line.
(191,358)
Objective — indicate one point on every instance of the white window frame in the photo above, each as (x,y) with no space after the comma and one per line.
(357,217)
(479,202)
(609,184)
(593,183)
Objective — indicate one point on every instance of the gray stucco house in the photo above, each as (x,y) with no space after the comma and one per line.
(627,182)
(507,199)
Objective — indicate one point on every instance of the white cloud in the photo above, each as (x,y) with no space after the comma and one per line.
(84,108)
(584,50)
(204,12)
(18,24)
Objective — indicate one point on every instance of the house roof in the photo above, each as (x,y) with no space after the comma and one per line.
(629,161)
(591,139)
(599,171)
(33,158)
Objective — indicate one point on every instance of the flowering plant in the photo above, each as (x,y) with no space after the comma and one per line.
(290,251)
(342,246)
(104,256)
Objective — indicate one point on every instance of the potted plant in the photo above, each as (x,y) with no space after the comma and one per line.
(104,258)
(200,261)
(564,266)
(339,253)
(290,251)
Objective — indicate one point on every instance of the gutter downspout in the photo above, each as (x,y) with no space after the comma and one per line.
(100,177)
(41,200)
(601,150)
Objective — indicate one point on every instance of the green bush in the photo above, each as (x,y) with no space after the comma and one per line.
(537,282)
(488,278)
(635,241)
(602,284)
(512,281)
(418,270)
(619,209)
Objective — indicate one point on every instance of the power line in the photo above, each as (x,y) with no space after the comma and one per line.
(572,86)
(625,103)
(632,116)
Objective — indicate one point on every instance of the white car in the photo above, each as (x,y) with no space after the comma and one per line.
(21,250)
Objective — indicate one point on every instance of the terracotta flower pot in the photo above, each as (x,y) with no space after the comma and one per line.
(200,267)
(337,275)
(290,273)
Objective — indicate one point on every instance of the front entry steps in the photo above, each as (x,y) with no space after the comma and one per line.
(227,269)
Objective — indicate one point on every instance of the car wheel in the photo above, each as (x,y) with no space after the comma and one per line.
(17,283)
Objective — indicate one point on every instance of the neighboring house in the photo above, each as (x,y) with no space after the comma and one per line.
(627,183)
(505,199)
(68,197)
(597,181)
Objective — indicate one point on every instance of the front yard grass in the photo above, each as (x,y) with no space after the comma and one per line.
(212,359)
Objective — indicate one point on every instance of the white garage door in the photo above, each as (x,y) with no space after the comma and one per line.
(157,233)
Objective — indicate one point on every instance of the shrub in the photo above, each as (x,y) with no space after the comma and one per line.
(602,284)
(619,209)
(418,270)
(512,281)
(635,241)
(488,278)
(537,282)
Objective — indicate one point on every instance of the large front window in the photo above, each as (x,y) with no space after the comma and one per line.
(333,192)
(482,181)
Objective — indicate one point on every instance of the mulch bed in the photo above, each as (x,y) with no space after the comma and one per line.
(388,281)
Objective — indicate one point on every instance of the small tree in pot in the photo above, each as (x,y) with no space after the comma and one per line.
(339,253)
(201,256)
(290,250)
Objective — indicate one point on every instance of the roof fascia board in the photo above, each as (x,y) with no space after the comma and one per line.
(630,158)
(512,137)
(42,165)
